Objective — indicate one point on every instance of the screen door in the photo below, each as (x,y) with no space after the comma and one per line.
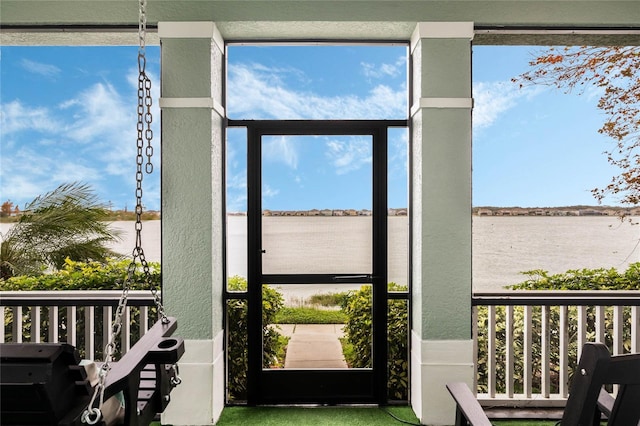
(317,227)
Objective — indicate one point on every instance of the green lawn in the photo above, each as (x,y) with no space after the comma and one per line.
(308,315)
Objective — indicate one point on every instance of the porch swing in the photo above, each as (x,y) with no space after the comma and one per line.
(46,384)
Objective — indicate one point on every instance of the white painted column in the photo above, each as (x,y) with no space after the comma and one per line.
(192,213)
(441,339)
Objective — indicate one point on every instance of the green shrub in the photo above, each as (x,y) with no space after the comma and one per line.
(86,276)
(582,279)
(274,343)
(358,336)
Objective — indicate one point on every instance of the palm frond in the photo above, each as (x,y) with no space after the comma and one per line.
(66,222)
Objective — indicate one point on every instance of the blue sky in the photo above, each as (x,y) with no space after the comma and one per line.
(68,114)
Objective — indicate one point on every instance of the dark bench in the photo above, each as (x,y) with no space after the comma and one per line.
(43,383)
(587,400)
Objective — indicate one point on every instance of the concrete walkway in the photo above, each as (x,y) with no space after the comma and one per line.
(313,346)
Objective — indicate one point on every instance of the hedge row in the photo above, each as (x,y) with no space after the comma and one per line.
(86,276)
(582,279)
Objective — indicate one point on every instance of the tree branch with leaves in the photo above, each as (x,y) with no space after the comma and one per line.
(615,72)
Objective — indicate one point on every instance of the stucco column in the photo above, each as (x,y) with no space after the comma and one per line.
(441,344)
(192,204)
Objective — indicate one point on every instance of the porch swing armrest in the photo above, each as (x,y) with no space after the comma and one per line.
(468,409)
(156,347)
(605,402)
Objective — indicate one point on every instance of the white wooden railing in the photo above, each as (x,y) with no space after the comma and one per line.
(82,318)
(528,342)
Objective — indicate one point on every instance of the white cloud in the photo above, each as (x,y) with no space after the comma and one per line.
(593,92)
(71,171)
(237,203)
(26,172)
(237,181)
(281,149)
(34,67)
(101,111)
(269,192)
(398,154)
(375,71)
(348,155)
(18,188)
(255,93)
(16,117)
(492,99)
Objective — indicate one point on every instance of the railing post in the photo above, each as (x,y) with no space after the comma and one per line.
(53,324)
(89,334)
(600,324)
(3,312)
(35,324)
(107,315)
(635,329)
(144,320)
(545,344)
(71,325)
(125,334)
(563,378)
(582,330)
(491,351)
(17,324)
(509,344)
(474,335)
(616,333)
(527,362)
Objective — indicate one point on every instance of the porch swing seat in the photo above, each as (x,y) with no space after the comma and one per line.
(45,383)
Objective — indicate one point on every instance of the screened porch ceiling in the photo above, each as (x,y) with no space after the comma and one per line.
(522,22)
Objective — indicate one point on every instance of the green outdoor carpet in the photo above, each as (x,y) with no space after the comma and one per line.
(317,416)
(334,416)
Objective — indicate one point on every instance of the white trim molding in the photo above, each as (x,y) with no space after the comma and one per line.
(434,363)
(191,30)
(201,369)
(441,103)
(192,103)
(442,30)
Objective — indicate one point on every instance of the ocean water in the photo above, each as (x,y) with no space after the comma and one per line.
(503,247)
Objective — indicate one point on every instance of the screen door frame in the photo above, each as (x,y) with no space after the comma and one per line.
(320,386)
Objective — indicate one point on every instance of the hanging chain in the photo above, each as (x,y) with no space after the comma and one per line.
(92,415)
(145,133)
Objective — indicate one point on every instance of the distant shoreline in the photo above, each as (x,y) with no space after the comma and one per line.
(113,216)
(580,210)
(557,211)
(476,211)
